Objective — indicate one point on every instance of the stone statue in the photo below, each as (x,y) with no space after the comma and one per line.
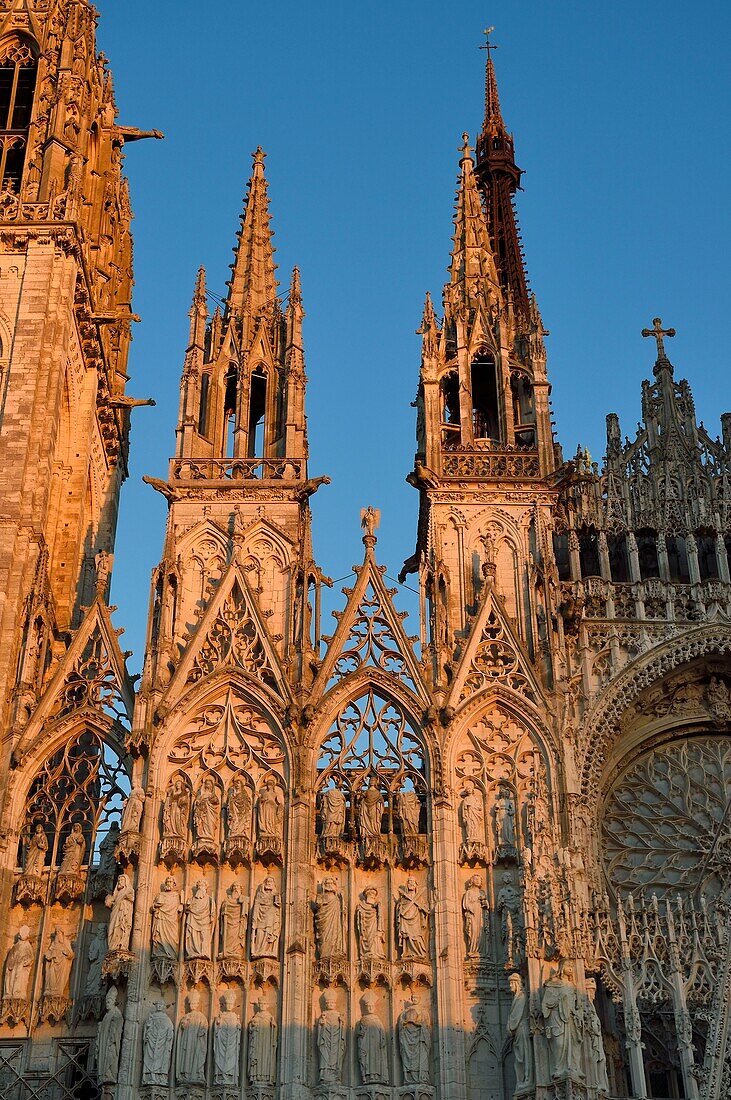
(370,1040)
(157,1046)
(370,813)
(18,966)
(519,1032)
(475,912)
(596,1059)
(176,811)
(133,807)
(504,813)
(269,811)
(414,1037)
(74,850)
(238,811)
(510,908)
(105,872)
(35,855)
(109,1041)
(332,810)
(412,918)
(200,917)
(121,903)
(233,923)
(166,910)
(262,1057)
(369,925)
(472,820)
(564,1024)
(226,1042)
(266,920)
(410,812)
(58,959)
(190,1052)
(329,913)
(207,813)
(95,955)
(330,1041)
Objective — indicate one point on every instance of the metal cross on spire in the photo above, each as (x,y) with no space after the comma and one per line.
(488,44)
(659,333)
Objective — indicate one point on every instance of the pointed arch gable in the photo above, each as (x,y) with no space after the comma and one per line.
(207,528)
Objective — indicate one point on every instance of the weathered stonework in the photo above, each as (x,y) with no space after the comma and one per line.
(488,862)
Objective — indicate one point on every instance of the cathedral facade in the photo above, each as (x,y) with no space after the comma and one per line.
(488,862)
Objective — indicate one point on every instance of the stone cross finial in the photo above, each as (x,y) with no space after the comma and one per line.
(659,332)
(465,148)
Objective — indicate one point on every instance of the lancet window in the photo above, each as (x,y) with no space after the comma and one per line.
(18,71)
(449,391)
(257,413)
(485,414)
(707,558)
(647,554)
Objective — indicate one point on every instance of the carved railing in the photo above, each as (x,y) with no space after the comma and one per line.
(14,209)
(488,464)
(235,469)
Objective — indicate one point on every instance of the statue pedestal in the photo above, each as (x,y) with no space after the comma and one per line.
(331,1092)
(117,964)
(374,1092)
(237,850)
(416,1092)
(128,847)
(29,889)
(173,850)
(69,888)
(269,849)
(14,1011)
(54,1009)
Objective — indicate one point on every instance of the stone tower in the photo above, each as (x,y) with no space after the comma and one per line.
(489,863)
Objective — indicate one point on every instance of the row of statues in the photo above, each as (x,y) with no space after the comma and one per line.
(558,1035)
(370,806)
(207,815)
(58,959)
(414,1041)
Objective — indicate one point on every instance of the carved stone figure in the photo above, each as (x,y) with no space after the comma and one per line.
(410,812)
(369,925)
(414,1037)
(564,1023)
(95,955)
(121,903)
(105,872)
(190,1051)
(475,913)
(332,809)
(226,1042)
(269,811)
(370,1040)
(200,917)
(262,1052)
(206,814)
(596,1059)
(266,920)
(504,813)
(176,811)
(58,960)
(370,813)
(510,908)
(519,1032)
(233,922)
(330,1041)
(133,807)
(109,1041)
(412,918)
(166,910)
(157,1046)
(74,849)
(36,852)
(18,966)
(472,820)
(329,914)
(238,811)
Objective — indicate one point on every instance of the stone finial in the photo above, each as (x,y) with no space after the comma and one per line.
(370,519)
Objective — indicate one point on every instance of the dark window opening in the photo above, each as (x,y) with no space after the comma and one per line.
(231,385)
(203,412)
(677,555)
(561,556)
(524,412)
(451,427)
(707,559)
(618,558)
(647,555)
(257,411)
(589,554)
(485,419)
(18,73)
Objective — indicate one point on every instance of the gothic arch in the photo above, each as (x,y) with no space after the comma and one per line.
(603,726)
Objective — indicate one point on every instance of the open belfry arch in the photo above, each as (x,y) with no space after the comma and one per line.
(486,862)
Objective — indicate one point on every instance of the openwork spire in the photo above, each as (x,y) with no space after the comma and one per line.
(472,259)
(253,286)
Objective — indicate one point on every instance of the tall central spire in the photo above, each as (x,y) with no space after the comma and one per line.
(253,284)
(499,177)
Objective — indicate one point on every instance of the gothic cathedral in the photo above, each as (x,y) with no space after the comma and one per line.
(492,862)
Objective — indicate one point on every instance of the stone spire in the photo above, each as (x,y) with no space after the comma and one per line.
(253,287)
(472,259)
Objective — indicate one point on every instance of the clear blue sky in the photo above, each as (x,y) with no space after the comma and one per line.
(620,115)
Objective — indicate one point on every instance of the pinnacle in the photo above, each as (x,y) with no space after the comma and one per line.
(295,286)
(253,286)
